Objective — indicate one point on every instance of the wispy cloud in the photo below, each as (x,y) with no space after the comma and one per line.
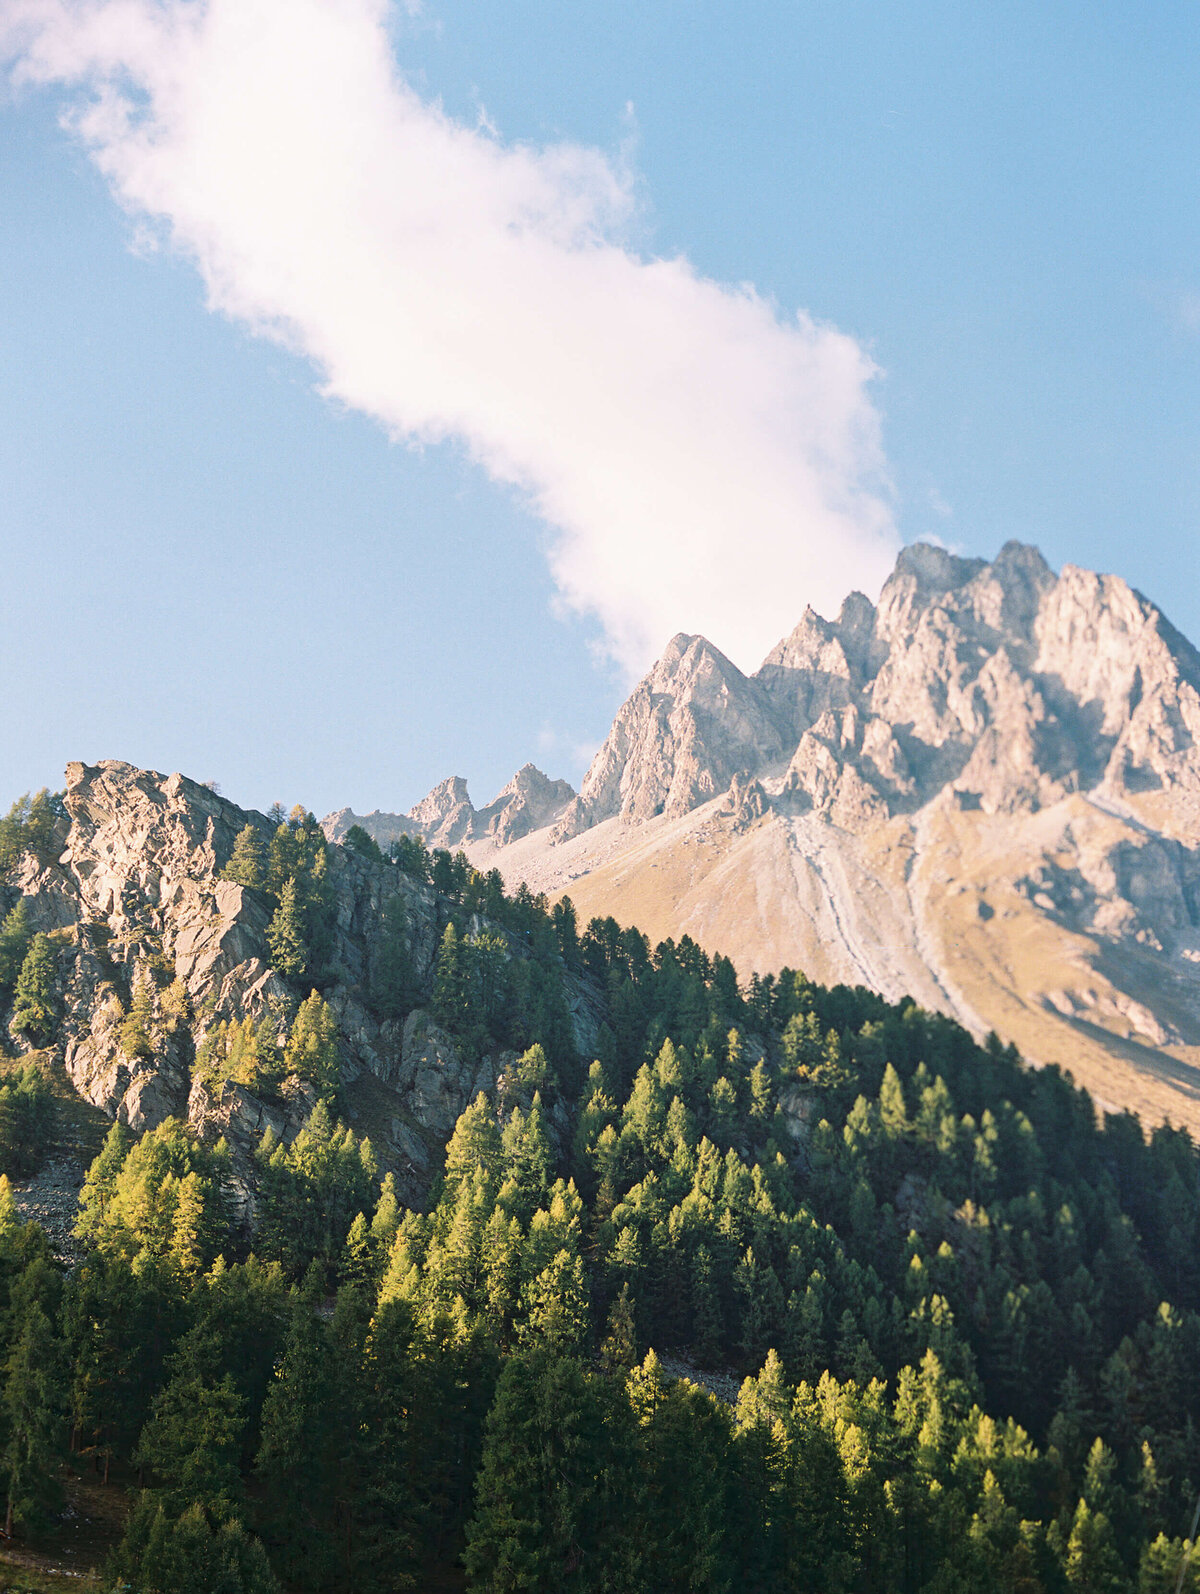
(704,462)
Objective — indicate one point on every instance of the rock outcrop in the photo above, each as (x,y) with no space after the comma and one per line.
(135,899)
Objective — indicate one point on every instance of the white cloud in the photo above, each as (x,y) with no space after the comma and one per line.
(704,463)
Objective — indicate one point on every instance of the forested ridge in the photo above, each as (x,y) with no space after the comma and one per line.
(774,1288)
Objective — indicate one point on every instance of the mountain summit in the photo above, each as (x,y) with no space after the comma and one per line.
(984,790)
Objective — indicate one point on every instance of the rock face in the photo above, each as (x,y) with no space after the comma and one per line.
(985,790)
(693,724)
(135,897)
(1001,681)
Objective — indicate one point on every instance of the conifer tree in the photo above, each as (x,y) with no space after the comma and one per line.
(34,1009)
(619,1346)
(1091,1563)
(683,1508)
(394,989)
(451,1003)
(555,1485)
(135,1031)
(16,932)
(32,1407)
(247,865)
(189,1230)
(475,1143)
(363,843)
(189,1554)
(287,933)
(298,1456)
(192,1442)
(357,1266)
(312,1047)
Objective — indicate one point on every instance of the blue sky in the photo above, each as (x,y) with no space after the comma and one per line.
(208,565)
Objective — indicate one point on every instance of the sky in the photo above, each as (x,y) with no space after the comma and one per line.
(382,386)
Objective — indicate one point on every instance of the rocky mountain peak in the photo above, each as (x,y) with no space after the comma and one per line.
(530,801)
(998,681)
(692,724)
(446,816)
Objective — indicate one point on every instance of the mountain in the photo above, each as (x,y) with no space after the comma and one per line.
(983,791)
(448,818)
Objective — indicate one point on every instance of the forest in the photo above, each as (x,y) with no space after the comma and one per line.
(772,1288)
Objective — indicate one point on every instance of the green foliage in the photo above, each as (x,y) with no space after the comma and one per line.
(312,1051)
(451,1003)
(966,1313)
(32,1407)
(394,988)
(287,934)
(247,864)
(161,1198)
(29,827)
(16,932)
(410,854)
(311,1191)
(27,1119)
(135,1035)
(245,1053)
(191,1445)
(35,1008)
(192,1553)
(358,840)
(300,934)
(555,1483)
(303,1439)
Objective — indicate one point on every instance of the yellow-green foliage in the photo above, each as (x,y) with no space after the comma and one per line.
(240,1053)
(161,1197)
(312,1048)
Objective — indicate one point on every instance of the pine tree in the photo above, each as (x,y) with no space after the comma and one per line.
(394,988)
(708,1338)
(555,1486)
(247,865)
(760,1093)
(683,1518)
(357,1265)
(100,1184)
(34,1009)
(312,1048)
(33,1403)
(135,1031)
(893,1114)
(1091,1563)
(385,1221)
(619,1346)
(555,1305)
(15,935)
(363,843)
(192,1443)
(287,933)
(190,1227)
(298,1456)
(451,1003)
(188,1554)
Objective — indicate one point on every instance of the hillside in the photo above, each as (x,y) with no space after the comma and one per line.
(710,1284)
(984,791)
